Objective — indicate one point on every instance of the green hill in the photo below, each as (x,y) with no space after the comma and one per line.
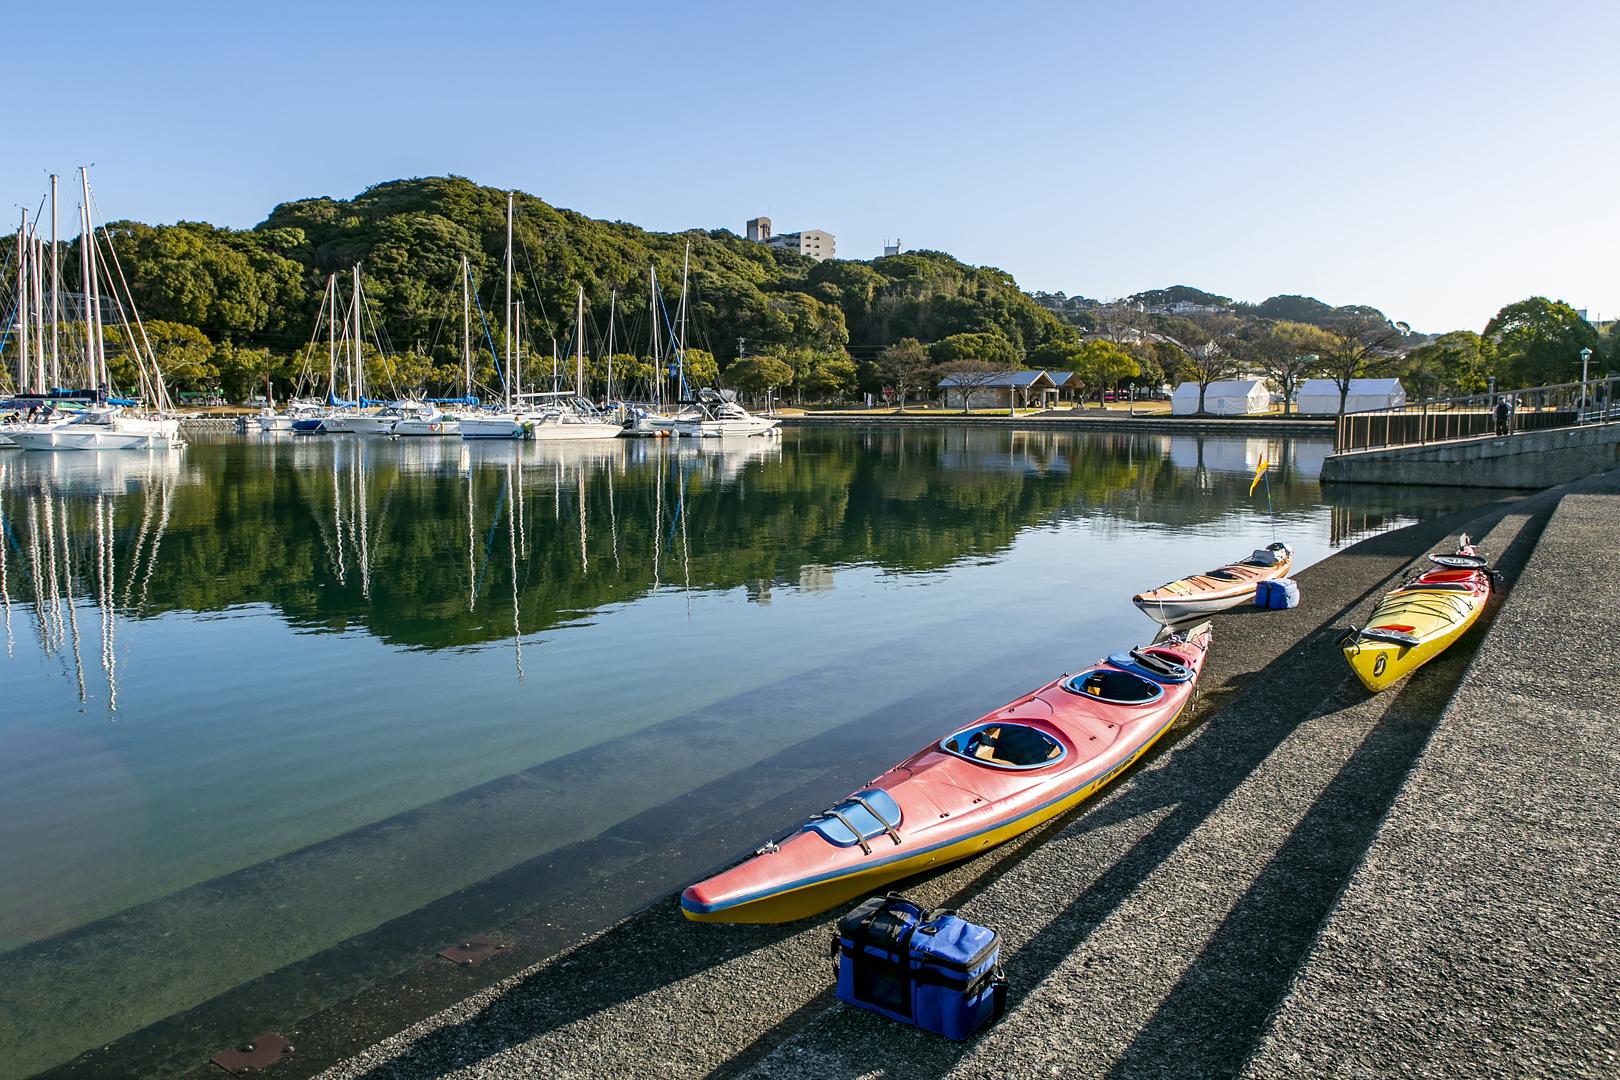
(257,291)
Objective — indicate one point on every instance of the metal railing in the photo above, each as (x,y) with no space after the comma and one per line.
(1539,408)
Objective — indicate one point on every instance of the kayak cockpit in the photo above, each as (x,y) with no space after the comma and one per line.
(1114,687)
(1003,745)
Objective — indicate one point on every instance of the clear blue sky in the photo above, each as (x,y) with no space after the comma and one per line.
(1437,160)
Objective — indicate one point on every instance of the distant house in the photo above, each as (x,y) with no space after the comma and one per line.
(1002,390)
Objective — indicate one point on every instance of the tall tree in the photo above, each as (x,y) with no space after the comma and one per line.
(1452,362)
(1358,346)
(1537,342)
(759,374)
(1210,348)
(1101,364)
(1289,352)
(905,366)
(992,348)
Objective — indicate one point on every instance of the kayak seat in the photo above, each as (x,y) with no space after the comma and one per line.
(1444,586)
(1004,746)
(1222,574)
(1114,687)
(859,818)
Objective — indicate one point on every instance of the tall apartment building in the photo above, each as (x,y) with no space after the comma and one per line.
(815,243)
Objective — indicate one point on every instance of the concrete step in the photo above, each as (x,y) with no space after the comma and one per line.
(1477,937)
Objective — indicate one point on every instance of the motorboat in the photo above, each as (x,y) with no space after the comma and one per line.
(565,415)
(720,416)
(996,778)
(1215,590)
(106,427)
(648,422)
(269,420)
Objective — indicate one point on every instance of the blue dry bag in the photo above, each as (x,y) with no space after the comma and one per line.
(1277,594)
(931,969)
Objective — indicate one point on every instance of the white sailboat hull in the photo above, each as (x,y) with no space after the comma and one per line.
(554,431)
(275,423)
(443,426)
(491,427)
(739,427)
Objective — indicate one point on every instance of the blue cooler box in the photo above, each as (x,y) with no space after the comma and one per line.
(930,969)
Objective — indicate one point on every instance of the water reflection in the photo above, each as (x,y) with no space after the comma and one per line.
(441,544)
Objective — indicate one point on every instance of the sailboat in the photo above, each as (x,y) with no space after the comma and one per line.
(425,418)
(505,422)
(658,421)
(568,414)
(112,423)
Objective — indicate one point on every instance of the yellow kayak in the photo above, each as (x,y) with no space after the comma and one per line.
(1420,619)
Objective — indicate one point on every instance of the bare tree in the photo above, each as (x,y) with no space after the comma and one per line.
(1358,346)
(1211,347)
(968,377)
(1289,352)
(904,365)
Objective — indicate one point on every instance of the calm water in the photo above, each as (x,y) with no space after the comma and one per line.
(266,694)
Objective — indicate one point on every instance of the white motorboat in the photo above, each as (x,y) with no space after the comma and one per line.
(722,417)
(271,421)
(420,419)
(645,422)
(566,416)
(104,428)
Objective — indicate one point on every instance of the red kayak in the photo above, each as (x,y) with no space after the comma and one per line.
(998,777)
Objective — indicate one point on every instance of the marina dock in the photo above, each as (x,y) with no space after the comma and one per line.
(1307,880)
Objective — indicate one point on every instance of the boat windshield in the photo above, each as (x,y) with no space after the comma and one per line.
(1005,746)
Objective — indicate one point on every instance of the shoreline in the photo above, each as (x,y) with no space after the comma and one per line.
(1156,424)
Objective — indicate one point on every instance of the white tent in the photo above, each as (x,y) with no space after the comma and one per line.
(1229,397)
(1320,397)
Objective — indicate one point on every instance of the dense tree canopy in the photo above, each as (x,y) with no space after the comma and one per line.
(1537,342)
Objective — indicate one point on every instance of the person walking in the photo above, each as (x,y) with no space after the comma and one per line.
(1504,414)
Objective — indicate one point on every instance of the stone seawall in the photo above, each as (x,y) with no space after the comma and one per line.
(1181,425)
(1531,459)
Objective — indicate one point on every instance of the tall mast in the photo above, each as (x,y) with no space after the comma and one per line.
(359,368)
(331,336)
(56,286)
(22,305)
(466,325)
(92,298)
(579,345)
(517,370)
(38,278)
(613,307)
(686,263)
(652,306)
(508,380)
(92,374)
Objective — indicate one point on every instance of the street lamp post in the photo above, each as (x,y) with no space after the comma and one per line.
(1586,357)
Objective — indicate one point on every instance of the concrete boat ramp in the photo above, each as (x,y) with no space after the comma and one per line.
(1306,881)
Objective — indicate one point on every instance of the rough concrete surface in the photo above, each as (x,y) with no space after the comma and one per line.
(1481,934)
(1152,933)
